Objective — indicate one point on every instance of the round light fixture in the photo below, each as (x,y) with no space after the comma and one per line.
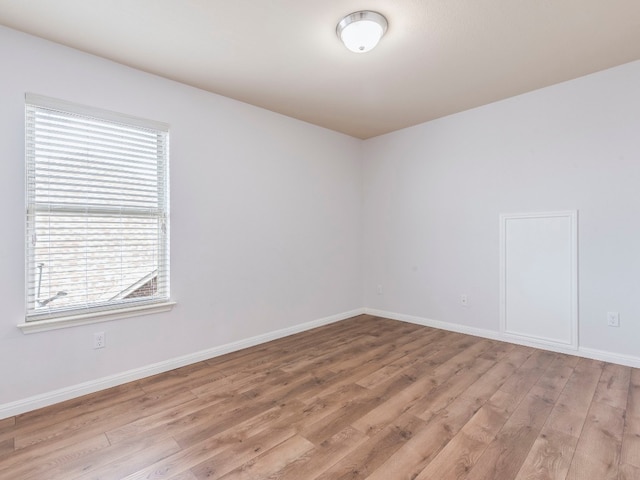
(361,31)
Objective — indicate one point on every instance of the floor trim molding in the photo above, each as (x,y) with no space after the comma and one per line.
(594,354)
(49,398)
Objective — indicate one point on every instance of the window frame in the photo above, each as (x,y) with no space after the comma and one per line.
(113,308)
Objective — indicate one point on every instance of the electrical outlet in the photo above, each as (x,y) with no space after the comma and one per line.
(464,300)
(613,319)
(99,340)
(380,290)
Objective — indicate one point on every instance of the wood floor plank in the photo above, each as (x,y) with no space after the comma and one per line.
(633,402)
(57,446)
(552,383)
(630,454)
(185,378)
(466,448)
(7,424)
(366,398)
(631,444)
(291,385)
(409,460)
(188,475)
(215,456)
(38,464)
(550,457)
(370,454)
(459,455)
(329,425)
(570,411)
(629,472)
(505,454)
(77,406)
(597,454)
(322,457)
(144,424)
(450,389)
(98,421)
(118,461)
(384,413)
(202,428)
(431,386)
(270,461)
(407,360)
(551,453)
(348,347)
(494,378)
(316,357)
(6,447)
(528,374)
(345,377)
(613,387)
(31,423)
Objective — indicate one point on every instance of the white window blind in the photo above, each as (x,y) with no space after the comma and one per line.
(97,234)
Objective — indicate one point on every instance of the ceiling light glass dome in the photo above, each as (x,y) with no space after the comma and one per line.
(361,31)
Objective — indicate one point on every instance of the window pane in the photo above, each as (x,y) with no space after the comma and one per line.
(85,260)
(97,229)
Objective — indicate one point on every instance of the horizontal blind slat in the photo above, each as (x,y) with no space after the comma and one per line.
(97,204)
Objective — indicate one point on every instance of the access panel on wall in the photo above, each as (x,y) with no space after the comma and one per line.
(539,277)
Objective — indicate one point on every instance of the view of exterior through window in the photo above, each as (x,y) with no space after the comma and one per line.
(97,210)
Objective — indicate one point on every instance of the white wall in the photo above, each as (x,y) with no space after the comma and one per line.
(265,221)
(433,194)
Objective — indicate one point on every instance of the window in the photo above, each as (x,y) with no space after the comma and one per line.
(97,233)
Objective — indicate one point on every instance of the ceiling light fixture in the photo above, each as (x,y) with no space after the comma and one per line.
(361,31)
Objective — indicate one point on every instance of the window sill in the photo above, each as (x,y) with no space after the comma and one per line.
(96,317)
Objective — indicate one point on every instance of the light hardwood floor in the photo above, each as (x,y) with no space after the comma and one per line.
(366,398)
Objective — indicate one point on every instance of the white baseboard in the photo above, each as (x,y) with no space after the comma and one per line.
(605,356)
(620,359)
(74,391)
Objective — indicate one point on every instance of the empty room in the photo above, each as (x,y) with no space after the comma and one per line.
(320,240)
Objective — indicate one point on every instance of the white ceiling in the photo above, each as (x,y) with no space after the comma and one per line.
(438,56)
